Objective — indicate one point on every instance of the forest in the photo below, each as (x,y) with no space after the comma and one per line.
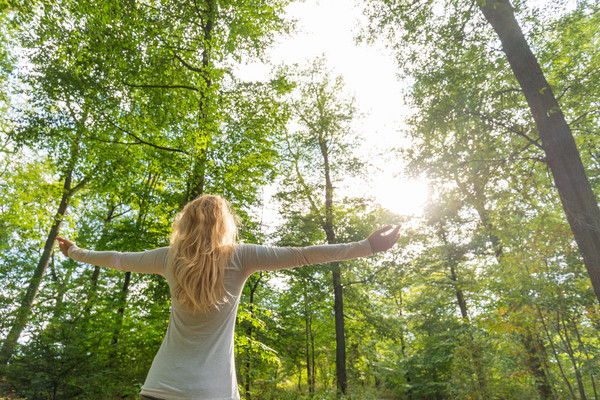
(116,113)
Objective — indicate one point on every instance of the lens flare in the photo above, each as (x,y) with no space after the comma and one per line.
(402,196)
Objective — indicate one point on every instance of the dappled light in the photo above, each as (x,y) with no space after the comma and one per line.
(469,127)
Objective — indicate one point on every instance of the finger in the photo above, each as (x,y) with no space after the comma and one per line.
(391,233)
(384,229)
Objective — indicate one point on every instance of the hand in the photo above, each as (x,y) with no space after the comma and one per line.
(64,245)
(383,239)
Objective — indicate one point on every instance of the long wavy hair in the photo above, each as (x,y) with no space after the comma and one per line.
(203,237)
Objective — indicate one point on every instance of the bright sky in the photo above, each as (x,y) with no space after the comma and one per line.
(328,28)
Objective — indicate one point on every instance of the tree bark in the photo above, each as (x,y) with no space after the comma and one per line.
(91,291)
(340,338)
(587,355)
(562,155)
(460,298)
(122,304)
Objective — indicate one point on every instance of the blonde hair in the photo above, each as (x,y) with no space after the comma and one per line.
(202,241)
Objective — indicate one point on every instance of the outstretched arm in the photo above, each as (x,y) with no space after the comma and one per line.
(255,258)
(149,262)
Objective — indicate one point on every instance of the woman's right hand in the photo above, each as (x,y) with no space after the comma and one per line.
(64,245)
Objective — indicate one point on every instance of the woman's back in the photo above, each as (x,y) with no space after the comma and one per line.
(196,358)
(196,355)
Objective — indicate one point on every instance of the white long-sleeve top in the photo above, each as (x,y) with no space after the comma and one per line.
(196,358)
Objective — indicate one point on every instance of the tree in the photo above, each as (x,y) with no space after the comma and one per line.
(562,155)
(558,144)
(325,139)
(474,136)
(156,101)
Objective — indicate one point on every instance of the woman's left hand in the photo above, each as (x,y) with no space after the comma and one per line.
(385,238)
(64,245)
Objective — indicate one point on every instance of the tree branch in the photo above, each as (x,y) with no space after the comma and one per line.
(509,128)
(505,91)
(185,64)
(156,146)
(162,86)
(367,279)
(313,205)
(582,116)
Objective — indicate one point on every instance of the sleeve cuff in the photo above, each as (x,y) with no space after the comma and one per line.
(366,245)
(71,250)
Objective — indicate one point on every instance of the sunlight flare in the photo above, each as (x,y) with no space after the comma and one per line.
(402,196)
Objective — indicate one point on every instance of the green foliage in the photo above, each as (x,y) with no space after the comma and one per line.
(485,297)
(496,234)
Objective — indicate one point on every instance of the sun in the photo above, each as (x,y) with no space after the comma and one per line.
(401,196)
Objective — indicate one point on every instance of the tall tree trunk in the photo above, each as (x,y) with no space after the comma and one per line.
(399,304)
(587,355)
(338,290)
(249,331)
(577,197)
(452,258)
(198,174)
(91,292)
(534,365)
(474,347)
(122,303)
(460,298)
(340,338)
(61,287)
(310,353)
(24,309)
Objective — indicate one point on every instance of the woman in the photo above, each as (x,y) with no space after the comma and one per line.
(206,271)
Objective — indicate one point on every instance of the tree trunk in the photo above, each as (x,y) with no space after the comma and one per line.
(474,347)
(24,309)
(91,292)
(555,353)
(340,338)
(534,365)
(247,372)
(577,197)
(312,353)
(460,298)
(338,292)
(121,310)
(198,174)
(567,343)
(310,350)
(587,355)
(61,288)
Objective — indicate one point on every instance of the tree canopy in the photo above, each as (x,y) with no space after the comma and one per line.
(115,114)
